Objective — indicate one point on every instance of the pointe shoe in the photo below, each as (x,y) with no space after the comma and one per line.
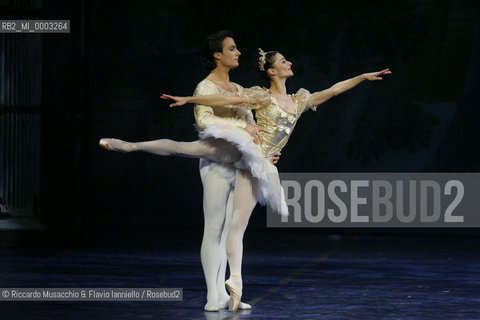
(235,291)
(114,145)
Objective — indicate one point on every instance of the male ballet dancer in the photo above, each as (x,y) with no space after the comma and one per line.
(220,55)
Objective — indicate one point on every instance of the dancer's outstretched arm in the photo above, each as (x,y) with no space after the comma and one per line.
(252,98)
(339,87)
(214,100)
(218,100)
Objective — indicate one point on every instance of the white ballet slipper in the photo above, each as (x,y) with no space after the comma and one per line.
(211,306)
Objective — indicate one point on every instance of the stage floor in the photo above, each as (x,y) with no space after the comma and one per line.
(301,274)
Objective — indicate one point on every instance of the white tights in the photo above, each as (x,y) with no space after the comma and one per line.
(244,200)
(222,227)
(217,209)
(212,149)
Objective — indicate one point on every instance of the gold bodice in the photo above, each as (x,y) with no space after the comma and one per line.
(276,119)
(279,122)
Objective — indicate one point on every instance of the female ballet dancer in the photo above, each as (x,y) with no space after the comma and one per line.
(275,110)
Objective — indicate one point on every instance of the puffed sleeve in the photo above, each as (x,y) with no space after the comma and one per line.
(303,99)
(205,116)
(256,97)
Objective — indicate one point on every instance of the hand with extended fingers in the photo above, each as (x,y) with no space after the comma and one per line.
(179,101)
(377,75)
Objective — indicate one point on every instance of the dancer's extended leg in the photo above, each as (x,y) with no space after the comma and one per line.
(212,149)
(245,199)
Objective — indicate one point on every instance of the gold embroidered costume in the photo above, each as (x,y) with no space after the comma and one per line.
(257,158)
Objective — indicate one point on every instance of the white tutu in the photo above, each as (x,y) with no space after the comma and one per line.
(271,191)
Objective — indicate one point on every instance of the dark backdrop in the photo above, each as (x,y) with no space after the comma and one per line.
(105,77)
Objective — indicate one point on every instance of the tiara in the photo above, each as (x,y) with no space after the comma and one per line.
(261,59)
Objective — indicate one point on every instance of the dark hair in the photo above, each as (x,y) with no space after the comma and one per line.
(269,61)
(213,43)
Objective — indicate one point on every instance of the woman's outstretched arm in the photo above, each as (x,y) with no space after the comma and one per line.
(339,87)
(218,100)
(252,98)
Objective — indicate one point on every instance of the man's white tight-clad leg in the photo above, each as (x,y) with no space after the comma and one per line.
(216,191)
